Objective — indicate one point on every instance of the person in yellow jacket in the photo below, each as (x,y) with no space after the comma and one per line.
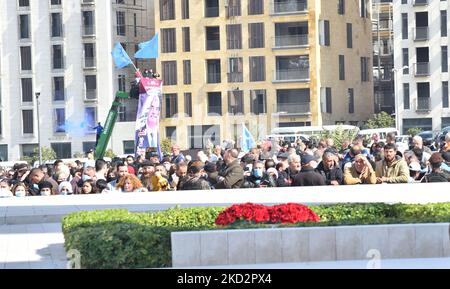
(392,169)
(359,172)
(159,179)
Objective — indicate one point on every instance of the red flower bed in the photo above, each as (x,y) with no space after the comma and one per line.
(260,214)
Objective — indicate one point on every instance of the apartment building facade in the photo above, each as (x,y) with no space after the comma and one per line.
(383,55)
(262,63)
(421,63)
(61,51)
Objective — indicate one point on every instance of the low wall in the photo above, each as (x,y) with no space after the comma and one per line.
(292,245)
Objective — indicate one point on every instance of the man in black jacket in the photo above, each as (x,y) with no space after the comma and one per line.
(308,175)
(330,169)
(233,176)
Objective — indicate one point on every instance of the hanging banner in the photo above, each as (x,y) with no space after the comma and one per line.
(148,114)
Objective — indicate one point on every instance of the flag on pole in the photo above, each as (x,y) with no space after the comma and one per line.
(148,49)
(247,142)
(120,56)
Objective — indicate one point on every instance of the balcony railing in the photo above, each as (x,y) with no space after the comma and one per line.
(291,40)
(235,77)
(214,110)
(423,103)
(293,108)
(421,33)
(213,77)
(91,94)
(90,62)
(212,44)
(420,2)
(88,30)
(422,69)
(301,74)
(212,12)
(285,7)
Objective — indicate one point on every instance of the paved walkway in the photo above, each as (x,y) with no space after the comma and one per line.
(37,246)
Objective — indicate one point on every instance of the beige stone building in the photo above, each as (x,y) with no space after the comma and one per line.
(265,63)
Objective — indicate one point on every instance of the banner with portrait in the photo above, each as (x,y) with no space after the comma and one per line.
(148,114)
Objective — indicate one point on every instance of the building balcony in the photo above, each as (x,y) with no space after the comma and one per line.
(213,77)
(286,41)
(288,7)
(301,74)
(214,110)
(212,44)
(422,33)
(88,2)
(422,69)
(90,63)
(235,77)
(90,95)
(420,2)
(290,109)
(212,12)
(88,30)
(423,104)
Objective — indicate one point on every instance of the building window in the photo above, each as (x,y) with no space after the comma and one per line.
(351,101)
(363,8)
(169,72)
(168,40)
(128,147)
(186,39)
(256,35)
(235,69)
(404,25)
(25,58)
(214,103)
(234,36)
(445,94)
(63,150)
(235,102)
(121,26)
(24,26)
(324,32)
(29,150)
(255,7)
(444,59)
(24,3)
(364,68)
(57,57)
(212,38)
(211,8)
(57,27)
(341,67)
(406,101)
(213,71)
(27,121)
(91,87)
(184,9)
(90,116)
(58,88)
(88,28)
(233,8)
(89,55)
(171,133)
(405,55)
(349,35)
(326,101)
(27,89)
(171,102)
(3,153)
(293,101)
(341,7)
(187,71)
(257,68)
(443,23)
(258,101)
(200,135)
(121,79)
(166,10)
(60,120)
(188,104)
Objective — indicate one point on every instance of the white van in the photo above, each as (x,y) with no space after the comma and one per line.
(382,132)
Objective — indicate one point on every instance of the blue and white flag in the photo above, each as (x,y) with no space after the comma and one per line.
(120,56)
(247,142)
(148,49)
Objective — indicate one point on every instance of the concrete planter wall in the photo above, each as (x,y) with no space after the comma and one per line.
(289,245)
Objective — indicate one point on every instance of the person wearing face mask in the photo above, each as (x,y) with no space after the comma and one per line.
(196,180)
(65,188)
(258,178)
(88,174)
(308,176)
(35,177)
(20,190)
(45,188)
(5,189)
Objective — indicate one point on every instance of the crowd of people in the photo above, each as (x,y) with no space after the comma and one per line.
(267,165)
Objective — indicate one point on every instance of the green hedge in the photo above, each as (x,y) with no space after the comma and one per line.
(120,239)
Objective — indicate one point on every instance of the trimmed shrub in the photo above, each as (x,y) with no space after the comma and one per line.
(120,239)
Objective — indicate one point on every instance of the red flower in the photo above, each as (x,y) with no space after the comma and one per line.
(254,213)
